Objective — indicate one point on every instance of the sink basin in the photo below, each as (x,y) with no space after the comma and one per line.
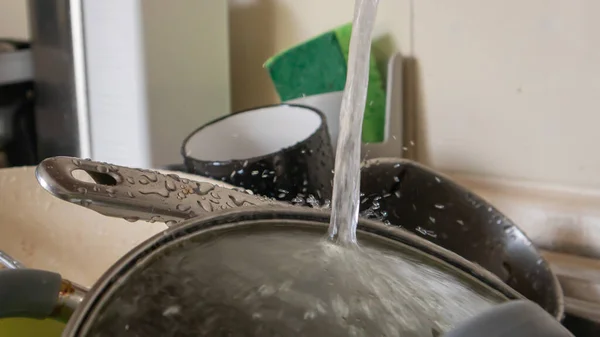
(44,232)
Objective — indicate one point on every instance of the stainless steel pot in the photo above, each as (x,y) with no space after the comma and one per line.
(262,272)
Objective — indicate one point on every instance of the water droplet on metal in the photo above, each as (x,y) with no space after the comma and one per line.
(241,201)
(170,222)
(102,168)
(205,204)
(174,177)
(155,218)
(85,203)
(151,176)
(183,207)
(82,190)
(205,188)
(426,232)
(170,186)
(162,193)
(439,206)
(77,162)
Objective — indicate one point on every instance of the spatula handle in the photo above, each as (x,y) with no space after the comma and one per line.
(137,194)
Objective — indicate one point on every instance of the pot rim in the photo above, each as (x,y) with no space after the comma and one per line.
(233,217)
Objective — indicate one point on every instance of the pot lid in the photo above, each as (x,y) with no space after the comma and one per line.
(262,278)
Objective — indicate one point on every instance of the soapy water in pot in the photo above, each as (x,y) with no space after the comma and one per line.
(270,281)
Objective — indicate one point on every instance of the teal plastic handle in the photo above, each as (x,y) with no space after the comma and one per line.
(28,293)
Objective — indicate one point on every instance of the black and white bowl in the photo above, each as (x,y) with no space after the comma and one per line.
(280,151)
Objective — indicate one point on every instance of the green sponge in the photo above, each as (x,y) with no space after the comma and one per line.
(319,66)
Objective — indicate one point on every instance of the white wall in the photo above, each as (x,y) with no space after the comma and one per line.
(507,87)
(511,87)
(187,65)
(13,19)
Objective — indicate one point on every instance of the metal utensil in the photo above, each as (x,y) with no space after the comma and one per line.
(136,194)
(9,262)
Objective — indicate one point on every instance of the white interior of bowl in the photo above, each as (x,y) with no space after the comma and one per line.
(253,133)
(329,104)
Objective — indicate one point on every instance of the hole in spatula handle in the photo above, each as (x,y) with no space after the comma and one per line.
(94,177)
